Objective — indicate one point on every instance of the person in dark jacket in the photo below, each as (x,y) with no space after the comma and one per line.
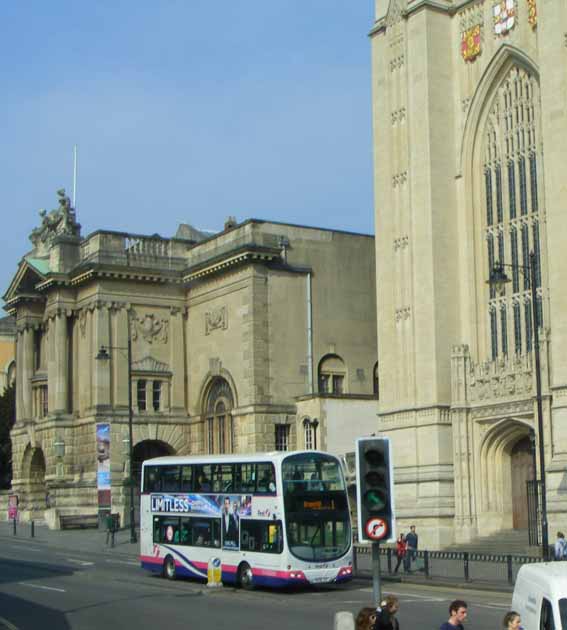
(386,614)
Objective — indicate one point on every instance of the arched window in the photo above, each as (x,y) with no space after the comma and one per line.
(332,374)
(376,381)
(220,427)
(511,171)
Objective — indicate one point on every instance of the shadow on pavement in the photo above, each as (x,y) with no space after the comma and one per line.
(26,615)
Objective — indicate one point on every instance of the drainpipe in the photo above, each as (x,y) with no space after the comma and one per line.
(309,335)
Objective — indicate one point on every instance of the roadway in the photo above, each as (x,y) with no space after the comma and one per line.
(49,588)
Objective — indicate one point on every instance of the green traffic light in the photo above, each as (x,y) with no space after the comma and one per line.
(375,500)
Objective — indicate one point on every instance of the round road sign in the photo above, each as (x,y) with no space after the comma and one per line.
(376,528)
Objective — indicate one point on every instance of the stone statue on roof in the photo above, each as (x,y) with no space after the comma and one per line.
(59,222)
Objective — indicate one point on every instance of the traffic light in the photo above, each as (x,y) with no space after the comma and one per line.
(375,490)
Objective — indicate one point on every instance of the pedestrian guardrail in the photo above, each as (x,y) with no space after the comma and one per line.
(448,565)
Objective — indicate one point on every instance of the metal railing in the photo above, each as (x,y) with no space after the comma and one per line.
(455,566)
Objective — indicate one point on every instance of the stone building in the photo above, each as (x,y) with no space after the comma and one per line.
(260,337)
(7,352)
(470,124)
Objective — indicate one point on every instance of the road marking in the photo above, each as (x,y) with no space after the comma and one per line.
(493,606)
(82,563)
(45,588)
(129,562)
(427,598)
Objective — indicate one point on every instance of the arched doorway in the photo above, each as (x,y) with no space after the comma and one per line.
(33,468)
(147,449)
(506,464)
(522,465)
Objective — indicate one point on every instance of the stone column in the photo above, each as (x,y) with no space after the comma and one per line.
(465,510)
(19,380)
(60,382)
(101,369)
(120,357)
(26,372)
(177,361)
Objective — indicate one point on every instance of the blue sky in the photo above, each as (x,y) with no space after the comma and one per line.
(185,111)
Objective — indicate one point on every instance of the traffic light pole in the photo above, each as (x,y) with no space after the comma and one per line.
(376,587)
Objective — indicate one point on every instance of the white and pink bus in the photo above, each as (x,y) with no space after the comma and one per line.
(273,519)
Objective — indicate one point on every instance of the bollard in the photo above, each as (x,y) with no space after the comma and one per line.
(112,538)
(32,532)
(426,563)
(14,521)
(214,573)
(354,561)
(389,561)
(510,573)
(344,620)
(466,567)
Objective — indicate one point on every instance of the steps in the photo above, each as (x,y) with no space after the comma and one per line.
(507,541)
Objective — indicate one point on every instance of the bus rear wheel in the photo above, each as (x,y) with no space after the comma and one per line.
(169,568)
(245,577)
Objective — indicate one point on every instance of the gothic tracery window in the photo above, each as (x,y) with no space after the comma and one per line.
(512,161)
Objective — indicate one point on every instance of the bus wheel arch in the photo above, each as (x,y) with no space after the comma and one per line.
(245,577)
(169,570)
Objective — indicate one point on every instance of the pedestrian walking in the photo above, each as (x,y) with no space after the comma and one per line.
(386,614)
(401,550)
(512,621)
(560,547)
(365,619)
(457,616)
(412,540)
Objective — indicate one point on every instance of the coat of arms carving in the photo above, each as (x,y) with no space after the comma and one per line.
(471,43)
(149,327)
(504,12)
(216,319)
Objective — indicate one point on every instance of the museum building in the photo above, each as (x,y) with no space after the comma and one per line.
(261,337)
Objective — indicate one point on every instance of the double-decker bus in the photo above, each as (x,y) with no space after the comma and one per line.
(273,519)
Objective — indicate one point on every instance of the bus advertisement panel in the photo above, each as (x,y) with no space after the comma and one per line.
(272,519)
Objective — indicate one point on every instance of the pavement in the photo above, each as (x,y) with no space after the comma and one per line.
(92,540)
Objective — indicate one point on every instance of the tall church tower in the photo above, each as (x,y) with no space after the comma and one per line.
(466,96)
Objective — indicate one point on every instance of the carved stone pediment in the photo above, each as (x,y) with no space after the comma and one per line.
(510,377)
(149,364)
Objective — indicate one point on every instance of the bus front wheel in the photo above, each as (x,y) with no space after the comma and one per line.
(169,568)
(245,577)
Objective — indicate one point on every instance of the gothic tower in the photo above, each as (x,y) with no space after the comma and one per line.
(468,98)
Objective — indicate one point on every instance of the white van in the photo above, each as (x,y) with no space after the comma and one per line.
(540,596)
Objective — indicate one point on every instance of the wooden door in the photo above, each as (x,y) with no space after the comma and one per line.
(522,471)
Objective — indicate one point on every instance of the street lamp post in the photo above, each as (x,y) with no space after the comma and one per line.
(104,355)
(498,279)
